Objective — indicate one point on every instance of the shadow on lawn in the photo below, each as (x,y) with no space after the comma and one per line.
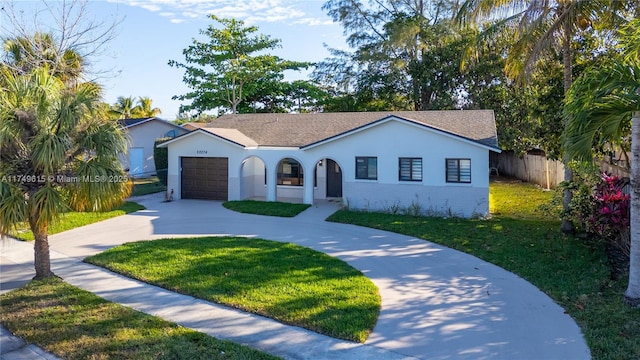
(283,281)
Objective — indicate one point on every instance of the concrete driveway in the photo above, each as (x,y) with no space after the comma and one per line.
(437,303)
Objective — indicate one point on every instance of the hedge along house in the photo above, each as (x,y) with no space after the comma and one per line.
(433,162)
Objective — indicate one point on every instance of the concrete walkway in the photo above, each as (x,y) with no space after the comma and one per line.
(437,303)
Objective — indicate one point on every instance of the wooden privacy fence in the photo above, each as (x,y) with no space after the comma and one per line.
(537,169)
(530,168)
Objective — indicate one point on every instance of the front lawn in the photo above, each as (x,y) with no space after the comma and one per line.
(524,238)
(269,208)
(72,219)
(283,281)
(75,324)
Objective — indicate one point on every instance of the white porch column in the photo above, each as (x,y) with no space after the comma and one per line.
(272,182)
(308,184)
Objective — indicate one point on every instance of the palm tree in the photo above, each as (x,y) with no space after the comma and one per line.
(123,108)
(599,106)
(542,26)
(24,54)
(144,108)
(54,155)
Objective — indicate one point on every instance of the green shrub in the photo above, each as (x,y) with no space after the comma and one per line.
(585,179)
(161,160)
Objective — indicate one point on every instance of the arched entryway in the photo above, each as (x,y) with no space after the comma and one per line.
(334,179)
(253,179)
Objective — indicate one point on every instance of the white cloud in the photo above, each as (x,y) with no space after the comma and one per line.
(151,7)
(191,15)
(314,22)
(251,11)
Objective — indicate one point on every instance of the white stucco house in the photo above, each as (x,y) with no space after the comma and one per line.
(141,136)
(434,162)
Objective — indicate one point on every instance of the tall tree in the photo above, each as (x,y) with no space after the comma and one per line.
(282,96)
(488,87)
(24,54)
(543,26)
(219,71)
(55,155)
(600,105)
(72,40)
(145,108)
(123,108)
(406,53)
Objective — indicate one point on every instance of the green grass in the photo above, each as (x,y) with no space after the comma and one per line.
(146,186)
(71,220)
(524,239)
(75,324)
(269,208)
(283,281)
(515,199)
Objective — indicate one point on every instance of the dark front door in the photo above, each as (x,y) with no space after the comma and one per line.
(334,179)
(205,178)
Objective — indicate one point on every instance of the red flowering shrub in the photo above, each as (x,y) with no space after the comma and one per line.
(610,216)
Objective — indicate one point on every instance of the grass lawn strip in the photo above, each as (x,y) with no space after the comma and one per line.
(147,186)
(524,239)
(75,324)
(283,281)
(269,208)
(72,220)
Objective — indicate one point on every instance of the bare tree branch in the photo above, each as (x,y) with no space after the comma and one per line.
(71,26)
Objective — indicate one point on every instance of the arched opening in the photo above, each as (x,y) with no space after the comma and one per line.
(290,180)
(252,179)
(290,172)
(333,179)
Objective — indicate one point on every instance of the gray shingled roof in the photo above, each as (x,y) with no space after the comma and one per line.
(131,121)
(299,130)
(232,134)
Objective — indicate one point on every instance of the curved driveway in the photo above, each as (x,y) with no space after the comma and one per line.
(437,303)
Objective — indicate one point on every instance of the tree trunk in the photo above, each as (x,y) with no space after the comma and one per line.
(567,226)
(632,295)
(42,260)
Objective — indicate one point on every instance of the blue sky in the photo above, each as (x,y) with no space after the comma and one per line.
(152,32)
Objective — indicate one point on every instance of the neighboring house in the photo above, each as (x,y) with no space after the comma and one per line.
(431,162)
(142,134)
(193,125)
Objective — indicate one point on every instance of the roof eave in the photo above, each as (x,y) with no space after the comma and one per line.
(391,117)
(154,118)
(199,130)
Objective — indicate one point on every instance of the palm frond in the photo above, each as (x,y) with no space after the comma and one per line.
(76,105)
(629,35)
(13,207)
(600,104)
(46,205)
(102,138)
(102,186)
(48,152)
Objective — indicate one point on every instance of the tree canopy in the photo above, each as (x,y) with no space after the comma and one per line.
(406,55)
(230,67)
(62,35)
(25,54)
(127,107)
